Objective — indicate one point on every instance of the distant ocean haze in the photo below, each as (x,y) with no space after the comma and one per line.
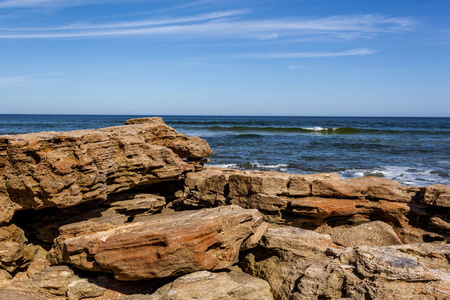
(413,151)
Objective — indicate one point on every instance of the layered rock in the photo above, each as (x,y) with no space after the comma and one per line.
(162,245)
(64,169)
(50,282)
(311,201)
(313,268)
(119,209)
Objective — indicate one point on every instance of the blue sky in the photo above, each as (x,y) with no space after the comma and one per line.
(226,57)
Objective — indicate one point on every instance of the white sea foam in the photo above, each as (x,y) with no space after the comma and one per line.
(254,166)
(415,176)
(317,128)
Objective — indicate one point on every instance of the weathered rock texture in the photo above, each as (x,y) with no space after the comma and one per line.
(302,264)
(107,200)
(162,245)
(214,286)
(310,201)
(375,233)
(64,169)
(119,209)
(51,282)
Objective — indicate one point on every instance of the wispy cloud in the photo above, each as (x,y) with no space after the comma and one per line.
(352,52)
(53,3)
(219,24)
(14,80)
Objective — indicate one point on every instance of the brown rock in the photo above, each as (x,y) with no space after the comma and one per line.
(437,195)
(371,188)
(312,201)
(12,244)
(55,281)
(118,209)
(11,294)
(375,233)
(63,169)
(305,271)
(284,255)
(160,246)
(206,285)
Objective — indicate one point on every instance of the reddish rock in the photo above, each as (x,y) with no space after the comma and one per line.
(310,201)
(64,169)
(162,245)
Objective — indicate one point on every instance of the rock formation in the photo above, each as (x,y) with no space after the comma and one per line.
(129,212)
(314,201)
(64,169)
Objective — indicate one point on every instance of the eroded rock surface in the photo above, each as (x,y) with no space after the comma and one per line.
(375,233)
(162,245)
(309,271)
(64,169)
(208,286)
(50,282)
(310,201)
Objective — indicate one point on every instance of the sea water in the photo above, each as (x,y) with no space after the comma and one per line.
(413,151)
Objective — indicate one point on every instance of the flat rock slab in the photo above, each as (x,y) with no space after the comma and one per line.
(375,233)
(64,169)
(162,245)
(208,286)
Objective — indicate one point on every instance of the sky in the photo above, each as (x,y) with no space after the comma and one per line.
(225,57)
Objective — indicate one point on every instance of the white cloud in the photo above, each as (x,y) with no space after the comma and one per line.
(352,52)
(217,24)
(14,80)
(53,3)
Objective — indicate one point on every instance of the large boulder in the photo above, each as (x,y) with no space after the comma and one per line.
(64,169)
(161,245)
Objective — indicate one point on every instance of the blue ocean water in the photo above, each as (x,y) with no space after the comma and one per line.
(414,151)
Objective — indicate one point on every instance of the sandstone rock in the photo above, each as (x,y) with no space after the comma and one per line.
(439,223)
(118,209)
(10,294)
(55,281)
(297,242)
(370,188)
(284,255)
(416,271)
(312,201)
(192,148)
(38,262)
(438,195)
(160,246)
(12,244)
(4,275)
(375,233)
(208,286)
(64,169)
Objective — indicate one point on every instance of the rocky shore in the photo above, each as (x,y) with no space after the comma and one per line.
(131,212)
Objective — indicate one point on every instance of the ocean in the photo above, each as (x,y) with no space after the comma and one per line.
(413,151)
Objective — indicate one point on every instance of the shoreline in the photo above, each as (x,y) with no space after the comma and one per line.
(101,213)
